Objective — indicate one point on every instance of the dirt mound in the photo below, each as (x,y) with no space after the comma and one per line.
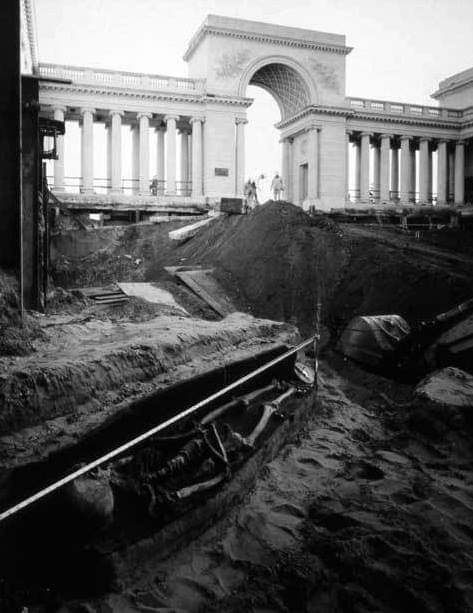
(16,334)
(274,261)
(104,255)
(379,279)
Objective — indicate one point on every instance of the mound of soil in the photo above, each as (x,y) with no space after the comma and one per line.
(380,279)
(16,334)
(100,256)
(276,262)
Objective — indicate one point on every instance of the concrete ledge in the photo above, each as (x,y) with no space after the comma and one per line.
(125,202)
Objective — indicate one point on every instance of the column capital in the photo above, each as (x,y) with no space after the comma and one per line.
(384,135)
(443,141)
(86,109)
(116,112)
(241,120)
(425,139)
(171,117)
(405,137)
(59,107)
(141,115)
(370,134)
(200,118)
(460,143)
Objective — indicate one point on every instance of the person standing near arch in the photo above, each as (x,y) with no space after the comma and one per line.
(277,187)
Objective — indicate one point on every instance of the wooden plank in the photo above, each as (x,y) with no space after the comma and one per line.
(112,300)
(189,231)
(202,293)
(93,291)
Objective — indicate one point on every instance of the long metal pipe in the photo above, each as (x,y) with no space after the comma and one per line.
(142,437)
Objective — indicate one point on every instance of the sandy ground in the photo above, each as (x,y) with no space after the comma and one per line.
(370,511)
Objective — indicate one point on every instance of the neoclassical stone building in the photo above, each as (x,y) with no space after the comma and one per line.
(322,131)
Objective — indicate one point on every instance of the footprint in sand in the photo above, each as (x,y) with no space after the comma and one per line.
(366,470)
(391,457)
(334,522)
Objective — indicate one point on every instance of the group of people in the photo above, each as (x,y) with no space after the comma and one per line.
(251,190)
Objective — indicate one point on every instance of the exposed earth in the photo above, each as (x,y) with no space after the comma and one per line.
(372,508)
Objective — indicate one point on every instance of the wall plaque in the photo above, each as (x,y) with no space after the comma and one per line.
(221,172)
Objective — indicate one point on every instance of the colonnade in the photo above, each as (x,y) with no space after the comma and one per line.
(393,168)
(191,164)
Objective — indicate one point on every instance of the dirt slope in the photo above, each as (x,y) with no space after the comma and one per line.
(276,260)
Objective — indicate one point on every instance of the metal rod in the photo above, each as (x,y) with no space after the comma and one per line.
(142,437)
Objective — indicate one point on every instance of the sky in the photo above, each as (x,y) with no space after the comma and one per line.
(402,48)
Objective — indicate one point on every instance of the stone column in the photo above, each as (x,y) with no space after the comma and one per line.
(286,167)
(442,176)
(240,155)
(189,157)
(160,158)
(384,168)
(412,172)
(406,167)
(313,179)
(59,115)
(395,170)
(143,119)
(87,149)
(365,167)
(108,129)
(459,172)
(451,173)
(347,165)
(356,186)
(135,158)
(115,152)
(197,176)
(430,171)
(171,154)
(376,170)
(424,155)
(184,156)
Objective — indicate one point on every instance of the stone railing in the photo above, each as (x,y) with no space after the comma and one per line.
(399,108)
(115,78)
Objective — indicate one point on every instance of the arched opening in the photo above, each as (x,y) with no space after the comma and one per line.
(279,92)
(263,150)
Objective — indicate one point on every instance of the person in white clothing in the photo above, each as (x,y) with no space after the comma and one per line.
(277,187)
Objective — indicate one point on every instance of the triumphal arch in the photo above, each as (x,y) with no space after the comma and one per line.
(336,150)
(305,72)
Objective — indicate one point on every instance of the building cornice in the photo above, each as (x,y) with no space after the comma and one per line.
(28,8)
(144,95)
(351,114)
(285,41)
(406,120)
(315,109)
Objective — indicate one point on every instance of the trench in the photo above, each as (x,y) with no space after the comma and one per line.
(44,544)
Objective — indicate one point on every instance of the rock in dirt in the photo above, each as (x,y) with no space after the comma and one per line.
(449,386)
(91,499)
